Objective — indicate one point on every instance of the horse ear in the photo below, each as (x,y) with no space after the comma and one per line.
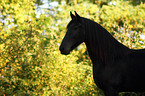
(77,15)
(72,16)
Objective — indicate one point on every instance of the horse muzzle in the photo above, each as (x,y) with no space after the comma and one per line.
(64,51)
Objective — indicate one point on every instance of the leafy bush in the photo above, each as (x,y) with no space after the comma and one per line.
(22,51)
(125,22)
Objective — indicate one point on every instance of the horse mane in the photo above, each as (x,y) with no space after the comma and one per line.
(101,44)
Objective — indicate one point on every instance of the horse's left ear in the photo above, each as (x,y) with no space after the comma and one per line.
(77,16)
(72,16)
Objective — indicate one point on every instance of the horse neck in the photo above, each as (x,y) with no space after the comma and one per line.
(101,45)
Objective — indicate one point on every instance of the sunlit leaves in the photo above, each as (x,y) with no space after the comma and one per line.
(21,48)
(126,21)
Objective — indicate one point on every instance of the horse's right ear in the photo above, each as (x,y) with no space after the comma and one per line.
(72,16)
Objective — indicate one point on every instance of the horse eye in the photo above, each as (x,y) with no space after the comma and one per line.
(75,28)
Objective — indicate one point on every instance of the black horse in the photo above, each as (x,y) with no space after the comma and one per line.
(116,68)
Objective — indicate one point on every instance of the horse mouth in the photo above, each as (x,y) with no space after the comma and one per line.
(65,52)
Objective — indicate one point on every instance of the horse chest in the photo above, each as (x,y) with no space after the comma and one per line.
(105,77)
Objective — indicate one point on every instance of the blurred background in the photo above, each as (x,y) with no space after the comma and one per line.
(31,32)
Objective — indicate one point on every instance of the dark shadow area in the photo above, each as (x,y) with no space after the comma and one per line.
(131,94)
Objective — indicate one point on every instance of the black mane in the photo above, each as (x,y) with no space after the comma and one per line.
(102,43)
